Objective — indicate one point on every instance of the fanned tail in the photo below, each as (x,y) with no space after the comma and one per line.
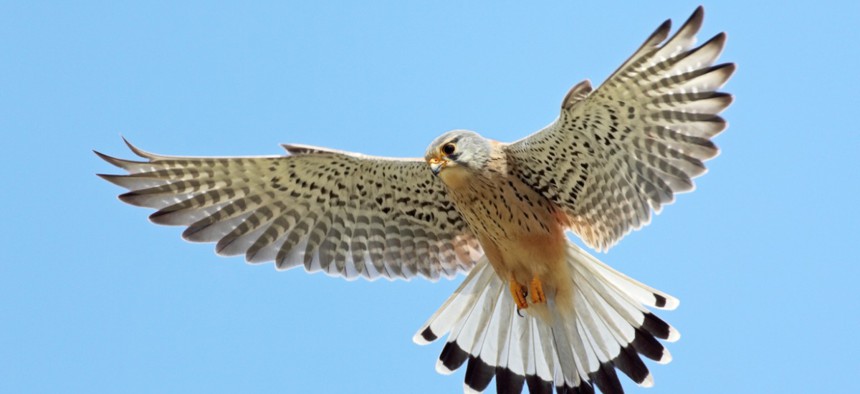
(576,345)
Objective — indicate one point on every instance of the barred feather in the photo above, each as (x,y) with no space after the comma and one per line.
(618,153)
(344,214)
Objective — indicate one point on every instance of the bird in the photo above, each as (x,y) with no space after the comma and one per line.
(535,311)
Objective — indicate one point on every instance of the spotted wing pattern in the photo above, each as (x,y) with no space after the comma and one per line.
(341,213)
(625,149)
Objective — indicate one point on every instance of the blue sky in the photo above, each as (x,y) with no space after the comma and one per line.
(95,299)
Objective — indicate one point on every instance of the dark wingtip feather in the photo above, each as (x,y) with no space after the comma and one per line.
(107,177)
(691,26)
(719,40)
(729,68)
(727,98)
(103,156)
(725,70)
(120,163)
(696,17)
(137,151)
(661,33)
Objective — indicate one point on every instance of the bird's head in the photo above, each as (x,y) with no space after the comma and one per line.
(457,151)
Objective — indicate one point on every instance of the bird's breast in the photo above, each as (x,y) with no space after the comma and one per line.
(503,209)
(520,231)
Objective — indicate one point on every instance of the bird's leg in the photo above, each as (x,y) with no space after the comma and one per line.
(519,292)
(536,291)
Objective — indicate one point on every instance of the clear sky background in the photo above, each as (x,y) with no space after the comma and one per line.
(93,298)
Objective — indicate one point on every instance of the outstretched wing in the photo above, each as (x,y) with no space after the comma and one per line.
(627,148)
(342,213)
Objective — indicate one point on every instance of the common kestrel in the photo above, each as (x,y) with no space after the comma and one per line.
(498,211)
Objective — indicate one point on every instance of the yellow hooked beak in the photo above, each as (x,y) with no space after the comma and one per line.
(437,164)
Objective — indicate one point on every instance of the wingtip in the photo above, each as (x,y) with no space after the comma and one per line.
(662,31)
(697,16)
(108,177)
(692,25)
(137,151)
(730,69)
(110,159)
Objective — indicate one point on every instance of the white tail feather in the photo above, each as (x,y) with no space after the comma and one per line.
(606,327)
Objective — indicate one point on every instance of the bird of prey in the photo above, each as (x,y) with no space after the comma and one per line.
(535,310)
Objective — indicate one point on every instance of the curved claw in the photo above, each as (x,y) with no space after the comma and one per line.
(519,292)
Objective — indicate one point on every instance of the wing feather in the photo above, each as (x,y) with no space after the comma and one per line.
(626,148)
(342,213)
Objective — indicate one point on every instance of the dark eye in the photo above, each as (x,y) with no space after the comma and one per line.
(449,149)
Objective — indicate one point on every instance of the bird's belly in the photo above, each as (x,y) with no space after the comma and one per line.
(520,231)
(530,256)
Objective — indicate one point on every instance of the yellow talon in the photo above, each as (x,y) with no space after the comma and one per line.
(519,293)
(536,291)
